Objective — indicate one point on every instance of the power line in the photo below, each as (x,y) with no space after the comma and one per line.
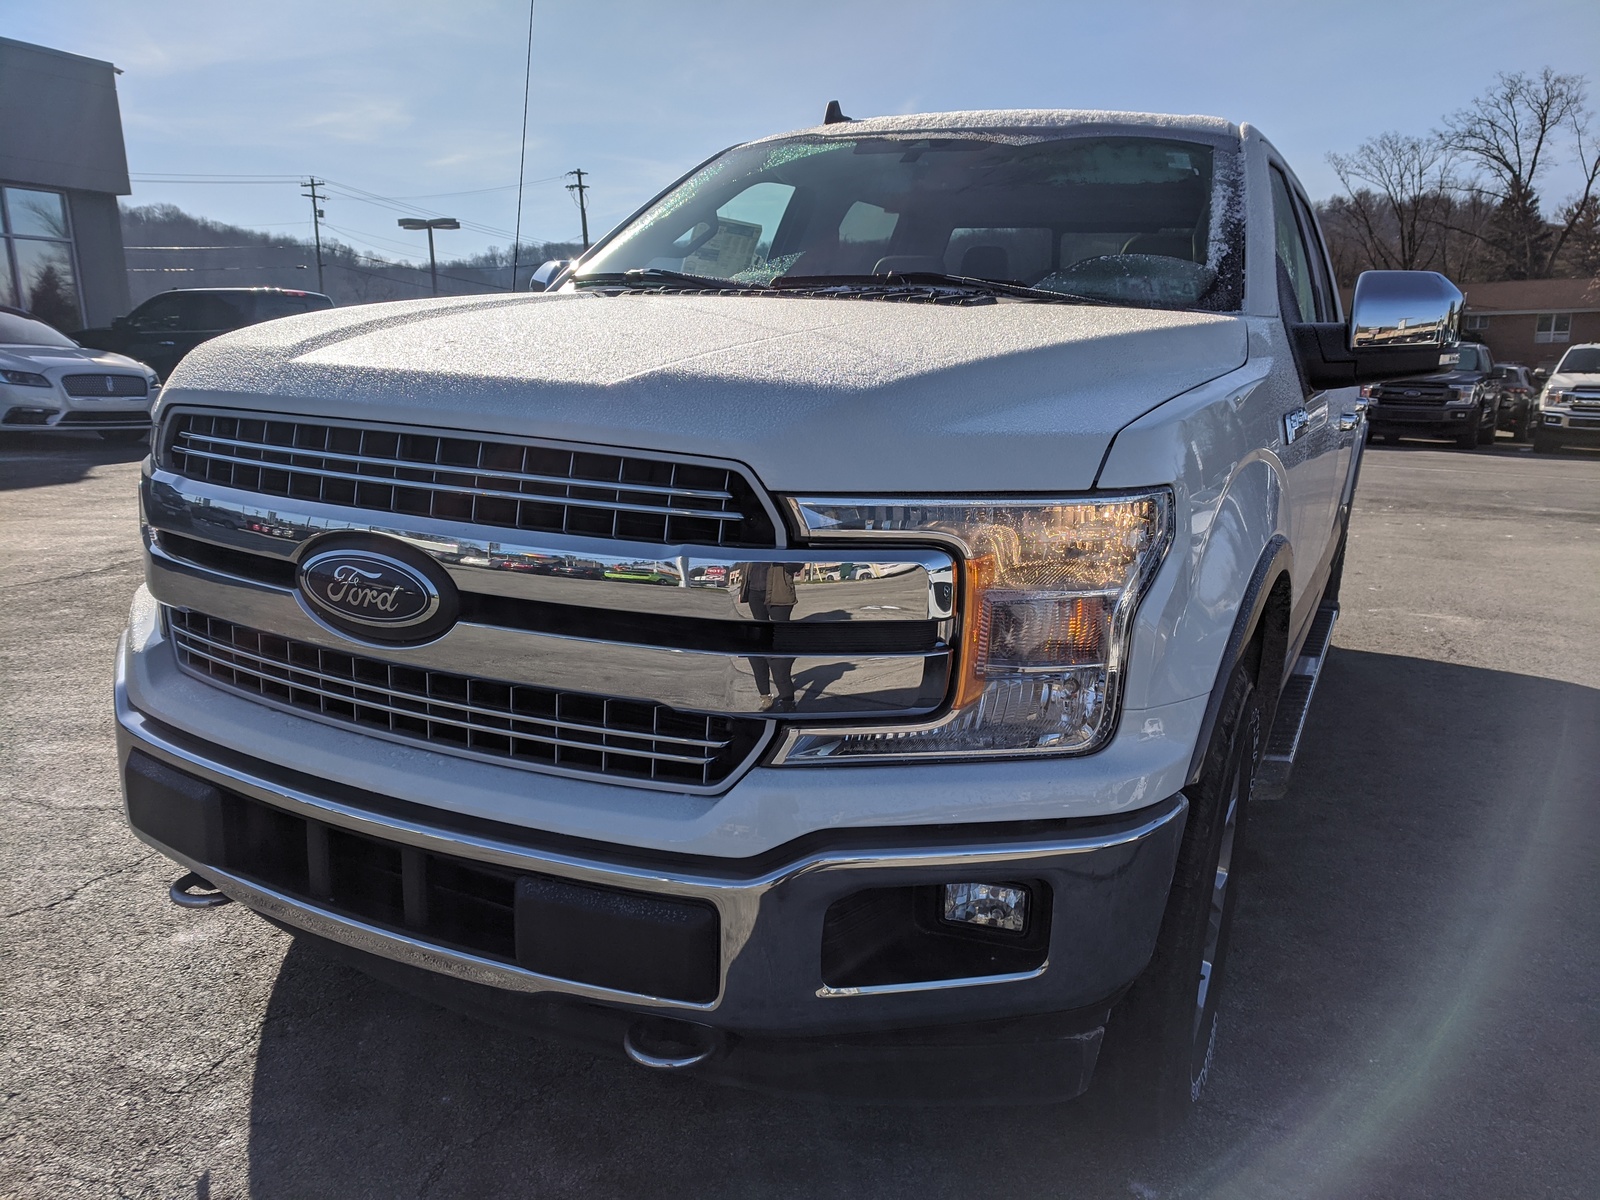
(522,149)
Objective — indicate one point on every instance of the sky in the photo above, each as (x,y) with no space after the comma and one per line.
(421,104)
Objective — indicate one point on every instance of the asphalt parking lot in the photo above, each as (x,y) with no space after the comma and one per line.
(1415,1003)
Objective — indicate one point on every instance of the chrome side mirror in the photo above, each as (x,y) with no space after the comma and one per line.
(547,272)
(1401,323)
(1395,309)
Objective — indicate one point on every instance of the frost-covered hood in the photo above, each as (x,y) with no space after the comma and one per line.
(1573,379)
(814,394)
(35,358)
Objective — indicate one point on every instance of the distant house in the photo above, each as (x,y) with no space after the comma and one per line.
(1532,321)
(62,167)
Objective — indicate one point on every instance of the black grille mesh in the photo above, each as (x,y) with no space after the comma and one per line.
(529,726)
(486,482)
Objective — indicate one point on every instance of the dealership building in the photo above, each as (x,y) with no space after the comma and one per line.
(62,167)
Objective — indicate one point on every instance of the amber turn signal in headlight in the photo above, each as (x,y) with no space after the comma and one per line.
(1048,592)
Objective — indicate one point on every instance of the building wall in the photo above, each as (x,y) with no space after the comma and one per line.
(102,267)
(61,133)
(1510,338)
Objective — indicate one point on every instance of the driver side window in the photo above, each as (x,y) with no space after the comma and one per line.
(1294,262)
(159,315)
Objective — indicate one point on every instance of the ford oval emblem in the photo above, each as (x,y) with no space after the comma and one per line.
(377,595)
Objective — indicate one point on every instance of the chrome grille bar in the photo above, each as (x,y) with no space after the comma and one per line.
(525,726)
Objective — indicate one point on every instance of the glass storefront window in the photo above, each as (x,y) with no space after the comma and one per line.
(46,283)
(36,267)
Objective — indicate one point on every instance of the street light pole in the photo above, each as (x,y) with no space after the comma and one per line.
(430,225)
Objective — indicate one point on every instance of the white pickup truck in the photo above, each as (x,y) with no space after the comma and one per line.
(508,642)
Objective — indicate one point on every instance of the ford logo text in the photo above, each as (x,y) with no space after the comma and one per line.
(366,588)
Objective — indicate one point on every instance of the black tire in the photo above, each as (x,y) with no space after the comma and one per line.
(1544,443)
(1391,439)
(124,435)
(1486,431)
(1522,428)
(1469,438)
(1161,1040)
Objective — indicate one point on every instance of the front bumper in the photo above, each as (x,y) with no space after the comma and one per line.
(1580,427)
(56,414)
(1423,420)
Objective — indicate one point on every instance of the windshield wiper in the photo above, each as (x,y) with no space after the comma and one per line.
(892,280)
(652,276)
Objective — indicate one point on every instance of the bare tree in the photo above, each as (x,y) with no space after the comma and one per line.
(1513,133)
(1398,188)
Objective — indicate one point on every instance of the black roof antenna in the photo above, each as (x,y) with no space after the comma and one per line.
(834,116)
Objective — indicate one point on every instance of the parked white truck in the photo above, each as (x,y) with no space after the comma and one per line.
(502,640)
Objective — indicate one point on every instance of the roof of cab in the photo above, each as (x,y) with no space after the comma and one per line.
(1041,120)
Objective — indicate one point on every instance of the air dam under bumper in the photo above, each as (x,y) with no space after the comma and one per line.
(831,938)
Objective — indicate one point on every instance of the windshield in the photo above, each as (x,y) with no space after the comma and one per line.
(18,330)
(1581,360)
(1131,220)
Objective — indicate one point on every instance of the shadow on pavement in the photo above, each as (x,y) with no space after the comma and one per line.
(1413,973)
(46,459)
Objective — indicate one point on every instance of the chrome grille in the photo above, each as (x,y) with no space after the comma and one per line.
(501,483)
(1425,393)
(105,385)
(535,727)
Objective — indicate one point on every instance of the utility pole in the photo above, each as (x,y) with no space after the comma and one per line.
(316,220)
(583,208)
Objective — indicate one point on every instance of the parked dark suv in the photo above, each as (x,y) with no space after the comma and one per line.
(1462,403)
(166,327)
(1517,400)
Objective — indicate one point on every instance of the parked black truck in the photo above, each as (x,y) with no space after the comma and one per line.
(166,327)
(1462,403)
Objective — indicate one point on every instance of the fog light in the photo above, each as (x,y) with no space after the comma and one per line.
(995,905)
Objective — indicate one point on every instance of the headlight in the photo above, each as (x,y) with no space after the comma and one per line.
(1464,395)
(24,378)
(1049,589)
(1556,396)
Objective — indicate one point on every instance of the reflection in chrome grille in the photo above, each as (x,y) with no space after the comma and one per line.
(106,385)
(498,483)
(529,726)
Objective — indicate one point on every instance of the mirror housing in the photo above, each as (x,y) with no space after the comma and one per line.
(1401,323)
(546,272)
(121,323)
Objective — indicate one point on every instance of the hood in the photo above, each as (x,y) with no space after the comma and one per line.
(832,395)
(1573,379)
(32,358)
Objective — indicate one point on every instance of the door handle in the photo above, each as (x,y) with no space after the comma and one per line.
(166,343)
(1348,421)
(1294,424)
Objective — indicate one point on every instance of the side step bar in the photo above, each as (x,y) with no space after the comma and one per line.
(1272,775)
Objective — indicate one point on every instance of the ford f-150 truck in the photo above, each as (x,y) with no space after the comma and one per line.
(1070,395)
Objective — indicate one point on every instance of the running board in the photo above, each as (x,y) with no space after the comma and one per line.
(1283,743)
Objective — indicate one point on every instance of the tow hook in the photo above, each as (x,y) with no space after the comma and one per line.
(664,1044)
(191,891)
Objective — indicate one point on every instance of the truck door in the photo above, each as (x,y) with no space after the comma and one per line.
(1349,426)
(1312,438)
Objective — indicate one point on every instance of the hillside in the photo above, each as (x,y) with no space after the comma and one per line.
(168,248)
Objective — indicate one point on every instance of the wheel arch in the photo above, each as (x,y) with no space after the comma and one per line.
(1259,637)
